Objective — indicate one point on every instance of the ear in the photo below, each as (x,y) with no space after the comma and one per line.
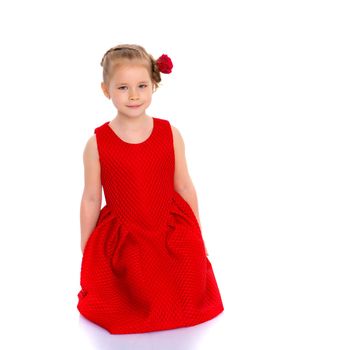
(105,89)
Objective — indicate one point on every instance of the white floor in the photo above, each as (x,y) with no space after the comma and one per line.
(200,336)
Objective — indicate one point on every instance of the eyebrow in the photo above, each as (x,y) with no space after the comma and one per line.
(144,81)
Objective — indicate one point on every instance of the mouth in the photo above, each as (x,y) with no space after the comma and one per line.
(134,106)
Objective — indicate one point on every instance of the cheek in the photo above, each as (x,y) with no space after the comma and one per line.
(149,93)
(120,96)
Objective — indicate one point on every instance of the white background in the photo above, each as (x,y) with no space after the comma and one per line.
(260,92)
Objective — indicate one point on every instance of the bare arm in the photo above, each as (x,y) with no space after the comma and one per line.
(182,180)
(92,195)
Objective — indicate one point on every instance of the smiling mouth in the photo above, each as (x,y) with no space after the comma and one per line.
(134,106)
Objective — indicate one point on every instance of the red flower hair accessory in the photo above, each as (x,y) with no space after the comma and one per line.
(164,64)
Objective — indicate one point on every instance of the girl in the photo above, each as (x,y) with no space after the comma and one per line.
(144,266)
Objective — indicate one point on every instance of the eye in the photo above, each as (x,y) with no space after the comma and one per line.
(145,85)
(121,88)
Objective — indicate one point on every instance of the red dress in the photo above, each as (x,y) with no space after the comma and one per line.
(144,266)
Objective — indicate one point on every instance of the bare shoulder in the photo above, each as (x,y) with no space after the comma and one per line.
(90,150)
(90,155)
(182,179)
(177,138)
(92,189)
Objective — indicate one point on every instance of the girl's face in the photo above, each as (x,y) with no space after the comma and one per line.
(130,86)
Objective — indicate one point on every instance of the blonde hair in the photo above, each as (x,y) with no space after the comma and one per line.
(129,52)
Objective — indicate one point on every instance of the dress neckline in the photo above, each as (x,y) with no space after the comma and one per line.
(130,143)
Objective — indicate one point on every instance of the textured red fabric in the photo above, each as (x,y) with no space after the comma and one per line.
(144,266)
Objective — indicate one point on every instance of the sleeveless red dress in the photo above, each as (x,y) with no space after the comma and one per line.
(144,266)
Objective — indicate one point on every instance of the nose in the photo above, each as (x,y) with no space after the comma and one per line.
(133,95)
